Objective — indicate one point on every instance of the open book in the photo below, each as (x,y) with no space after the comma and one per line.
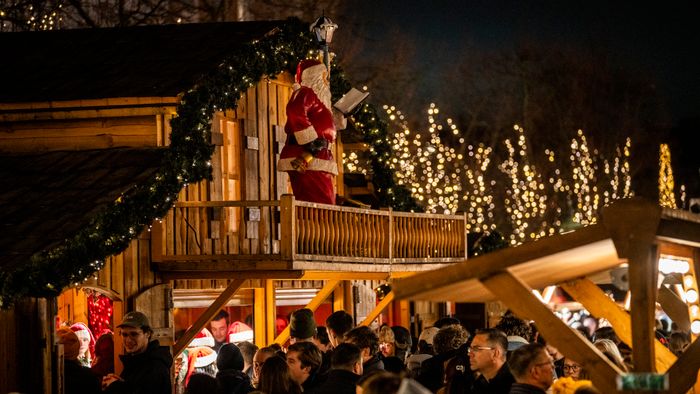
(350,100)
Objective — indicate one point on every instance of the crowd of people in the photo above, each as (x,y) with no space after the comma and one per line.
(511,357)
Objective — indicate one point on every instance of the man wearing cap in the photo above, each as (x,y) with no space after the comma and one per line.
(146,363)
(310,130)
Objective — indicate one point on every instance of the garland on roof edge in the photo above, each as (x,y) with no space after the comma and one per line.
(187,161)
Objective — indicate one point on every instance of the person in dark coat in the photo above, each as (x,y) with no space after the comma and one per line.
(346,369)
(146,363)
(231,377)
(447,342)
(532,368)
(487,355)
(368,342)
(77,378)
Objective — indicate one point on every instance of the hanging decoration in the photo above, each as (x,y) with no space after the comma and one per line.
(188,161)
(99,312)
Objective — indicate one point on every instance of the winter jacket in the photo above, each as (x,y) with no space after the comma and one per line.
(339,381)
(522,388)
(233,381)
(145,373)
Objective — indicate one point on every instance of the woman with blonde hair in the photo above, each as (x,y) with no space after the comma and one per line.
(610,350)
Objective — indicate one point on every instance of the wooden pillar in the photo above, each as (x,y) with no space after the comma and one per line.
(632,224)
(519,298)
(259,316)
(339,302)
(270,312)
(318,299)
(600,305)
(117,315)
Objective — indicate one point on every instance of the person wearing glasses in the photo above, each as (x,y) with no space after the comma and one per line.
(532,368)
(573,370)
(487,357)
(146,363)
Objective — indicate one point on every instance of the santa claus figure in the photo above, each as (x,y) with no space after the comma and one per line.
(306,155)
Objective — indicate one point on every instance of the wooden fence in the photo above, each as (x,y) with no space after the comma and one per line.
(301,231)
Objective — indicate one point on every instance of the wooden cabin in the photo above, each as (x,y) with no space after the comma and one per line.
(632,236)
(85,123)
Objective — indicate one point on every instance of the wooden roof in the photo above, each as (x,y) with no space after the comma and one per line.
(143,61)
(551,260)
(47,197)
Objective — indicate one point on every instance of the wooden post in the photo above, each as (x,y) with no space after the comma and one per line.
(288,242)
(643,272)
(519,298)
(632,224)
(600,305)
(259,315)
(270,311)
(156,241)
(378,309)
(207,315)
(315,302)
(117,315)
(339,297)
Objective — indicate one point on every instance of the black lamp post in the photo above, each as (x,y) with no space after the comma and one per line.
(324,28)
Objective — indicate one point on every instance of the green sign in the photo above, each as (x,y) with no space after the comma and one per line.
(648,381)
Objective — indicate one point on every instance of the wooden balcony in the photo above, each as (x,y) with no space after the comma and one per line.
(282,239)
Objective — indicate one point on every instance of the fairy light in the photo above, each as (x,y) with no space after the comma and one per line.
(667,197)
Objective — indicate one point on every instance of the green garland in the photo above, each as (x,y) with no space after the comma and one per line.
(188,161)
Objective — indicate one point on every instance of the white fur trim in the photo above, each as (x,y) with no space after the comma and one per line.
(236,337)
(306,135)
(203,361)
(329,166)
(202,341)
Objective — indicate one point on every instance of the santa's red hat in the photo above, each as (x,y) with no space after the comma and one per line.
(81,330)
(203,338)
(308,68)
(239,332)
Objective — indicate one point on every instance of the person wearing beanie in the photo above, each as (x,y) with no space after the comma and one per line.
(307,153)
(77,378)
(146,363)
(302,326)
(231,377)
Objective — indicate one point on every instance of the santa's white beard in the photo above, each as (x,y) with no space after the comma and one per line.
(322,90)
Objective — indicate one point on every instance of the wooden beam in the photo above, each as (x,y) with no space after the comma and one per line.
(633,224)
(600,305)
(519,298)
(207,315)
(250,274)
(378,309)
(339,297)
(259,316)
(675,308)
(684,373)
(332,275)
(315,302)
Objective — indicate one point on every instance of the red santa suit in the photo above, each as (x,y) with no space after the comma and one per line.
(310,133)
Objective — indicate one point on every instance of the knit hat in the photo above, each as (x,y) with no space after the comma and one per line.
(308,68)
(302,324)
(428,335)
(203,338)
(70,342)
(239,332)
(229,357)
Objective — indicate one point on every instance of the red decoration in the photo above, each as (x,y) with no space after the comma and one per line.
(99,313)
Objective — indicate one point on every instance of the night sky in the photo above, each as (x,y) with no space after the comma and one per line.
(658,39)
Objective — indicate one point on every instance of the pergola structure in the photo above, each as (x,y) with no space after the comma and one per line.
(635,232)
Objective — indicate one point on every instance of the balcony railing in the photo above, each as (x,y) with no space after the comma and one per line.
(290,230)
